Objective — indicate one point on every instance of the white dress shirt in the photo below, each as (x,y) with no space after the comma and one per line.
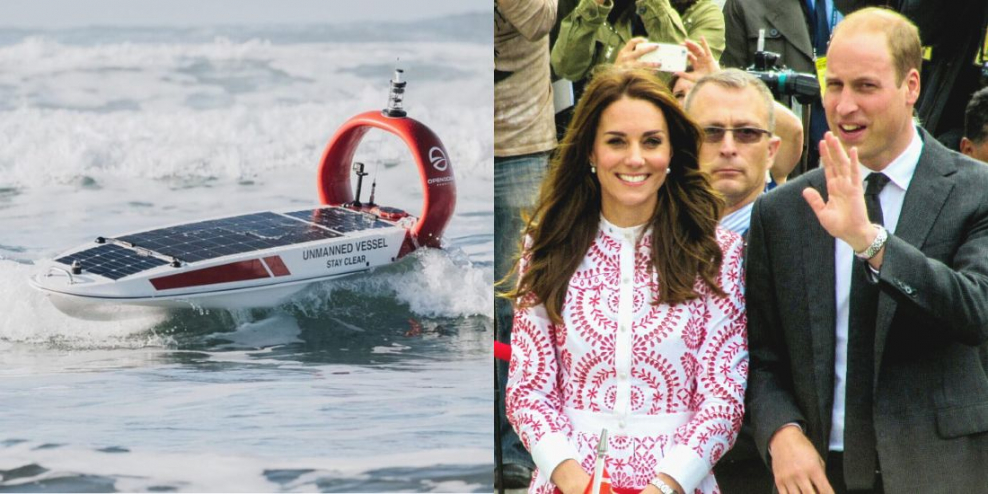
(900,173)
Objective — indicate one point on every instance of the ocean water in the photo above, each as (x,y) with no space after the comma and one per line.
(373,383)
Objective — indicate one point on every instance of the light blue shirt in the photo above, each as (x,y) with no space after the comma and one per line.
(738,221)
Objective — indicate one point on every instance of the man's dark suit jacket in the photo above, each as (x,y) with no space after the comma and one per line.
(931,390)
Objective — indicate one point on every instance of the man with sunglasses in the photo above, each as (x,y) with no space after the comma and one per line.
(737,114)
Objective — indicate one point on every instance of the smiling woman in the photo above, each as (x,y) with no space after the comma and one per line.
(628,296)
(682,208)
(630,157)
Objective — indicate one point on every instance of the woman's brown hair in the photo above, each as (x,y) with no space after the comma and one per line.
(566,217)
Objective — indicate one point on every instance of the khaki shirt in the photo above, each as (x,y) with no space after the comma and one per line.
(524,121)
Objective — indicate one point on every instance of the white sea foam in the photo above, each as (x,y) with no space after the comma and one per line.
(442,287)
(29,317)
(222,109)
(431,283)
(39,147)
(279,329)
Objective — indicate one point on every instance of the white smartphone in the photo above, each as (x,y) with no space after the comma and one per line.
(672,57)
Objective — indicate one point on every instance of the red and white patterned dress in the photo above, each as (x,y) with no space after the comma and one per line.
(667,382)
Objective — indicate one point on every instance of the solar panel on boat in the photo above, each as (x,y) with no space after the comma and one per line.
(216,238)
(112,261)
(221,237)
(340,220)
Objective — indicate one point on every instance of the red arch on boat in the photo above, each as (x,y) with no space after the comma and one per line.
(430,155)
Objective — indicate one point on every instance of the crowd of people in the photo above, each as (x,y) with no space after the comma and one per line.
(734,322)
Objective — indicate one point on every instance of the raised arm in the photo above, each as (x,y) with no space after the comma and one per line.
(573,52)
(664,24)
(953,295)
(790,129)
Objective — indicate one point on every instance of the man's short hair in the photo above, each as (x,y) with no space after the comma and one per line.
(901,36)
(736,79)
(976,117)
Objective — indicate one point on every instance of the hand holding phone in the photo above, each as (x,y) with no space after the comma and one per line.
(670,57)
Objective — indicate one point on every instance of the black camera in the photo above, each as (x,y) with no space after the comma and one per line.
(782,81)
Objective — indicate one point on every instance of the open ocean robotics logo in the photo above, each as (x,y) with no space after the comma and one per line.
(438,159)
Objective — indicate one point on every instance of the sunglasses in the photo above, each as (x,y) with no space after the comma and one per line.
(744,135)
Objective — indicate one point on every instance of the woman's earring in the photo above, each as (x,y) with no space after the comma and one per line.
(593,168)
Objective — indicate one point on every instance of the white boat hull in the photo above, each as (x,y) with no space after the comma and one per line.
(264,277)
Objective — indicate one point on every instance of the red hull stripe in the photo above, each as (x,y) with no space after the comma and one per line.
(277,266)
(226,273)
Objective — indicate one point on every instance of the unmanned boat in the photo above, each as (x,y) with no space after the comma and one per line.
(262,258)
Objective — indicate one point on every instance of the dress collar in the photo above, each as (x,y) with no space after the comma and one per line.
(631,232)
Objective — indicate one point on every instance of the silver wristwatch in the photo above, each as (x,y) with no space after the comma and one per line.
(662,486)
(876,245)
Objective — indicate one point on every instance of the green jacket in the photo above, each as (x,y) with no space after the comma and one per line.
(586,39)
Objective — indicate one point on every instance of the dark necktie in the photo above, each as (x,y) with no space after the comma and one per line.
(860,457)
(821,28)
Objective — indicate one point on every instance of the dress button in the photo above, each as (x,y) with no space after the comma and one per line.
(623,375)
(625,280)
(622,424)
(624,327)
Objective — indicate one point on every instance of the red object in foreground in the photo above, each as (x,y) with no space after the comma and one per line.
(502,351)
(430,155)
(605,485)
